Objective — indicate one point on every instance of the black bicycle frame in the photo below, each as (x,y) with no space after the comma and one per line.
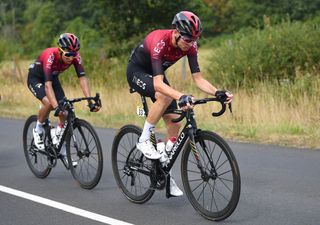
(68,105)
(189,132)
(177,147)
(68,123)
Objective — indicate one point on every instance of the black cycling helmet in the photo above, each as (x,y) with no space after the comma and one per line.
(188,24)
(69,42)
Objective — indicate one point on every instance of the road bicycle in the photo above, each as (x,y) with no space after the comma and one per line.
(209,170)
(83,148)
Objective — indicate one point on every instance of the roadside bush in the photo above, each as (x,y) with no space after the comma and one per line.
(276,53)
(8,49)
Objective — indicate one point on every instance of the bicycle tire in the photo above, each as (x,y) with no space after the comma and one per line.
(125,157)
(220,187)
(36,160)
(84,147)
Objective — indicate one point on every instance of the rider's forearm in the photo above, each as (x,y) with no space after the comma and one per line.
(84,84)
(203,84)
(163,88)
(50,94)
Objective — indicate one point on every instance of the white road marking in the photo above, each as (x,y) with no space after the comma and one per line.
(63,207)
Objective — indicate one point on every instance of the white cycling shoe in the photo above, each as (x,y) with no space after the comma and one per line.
(148,150)
(38,139)
(174,189)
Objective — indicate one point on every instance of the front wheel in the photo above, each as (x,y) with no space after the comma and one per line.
(210,176)
(84,154)
(130,168)
(37,159)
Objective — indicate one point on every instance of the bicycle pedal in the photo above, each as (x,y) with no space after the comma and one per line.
(157,185)
(153,187)
(168,195)
(161,184)
(52,163)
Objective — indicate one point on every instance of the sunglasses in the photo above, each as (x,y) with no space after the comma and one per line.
(68,54)
(188,39)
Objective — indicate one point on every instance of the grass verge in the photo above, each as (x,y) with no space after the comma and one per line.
(265,114)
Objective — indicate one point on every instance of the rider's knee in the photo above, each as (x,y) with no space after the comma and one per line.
(163,98)
(176,126)
(168,120)
(46,103)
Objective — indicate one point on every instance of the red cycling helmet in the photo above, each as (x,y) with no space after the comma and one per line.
(188,24)
(69,41)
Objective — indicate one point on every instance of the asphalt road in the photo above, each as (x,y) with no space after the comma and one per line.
(279,186)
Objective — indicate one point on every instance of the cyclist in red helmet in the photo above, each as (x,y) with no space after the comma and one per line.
(146,74)
(43,82)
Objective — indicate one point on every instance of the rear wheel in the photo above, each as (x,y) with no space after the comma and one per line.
(215,192)
(84,153)
(37,159)
(130,168)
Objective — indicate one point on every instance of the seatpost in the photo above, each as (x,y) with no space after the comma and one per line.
(145,106)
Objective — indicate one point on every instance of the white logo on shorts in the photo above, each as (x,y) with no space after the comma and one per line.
(139,82)
(31,89)
(38,85)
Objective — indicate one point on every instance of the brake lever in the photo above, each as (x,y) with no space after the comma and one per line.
(97,96)
(97,100)
(63,103)
(230,107)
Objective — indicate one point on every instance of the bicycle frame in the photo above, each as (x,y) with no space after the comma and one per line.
(71,117)
(68,122)
(187,133)
(209,170)
(69,125)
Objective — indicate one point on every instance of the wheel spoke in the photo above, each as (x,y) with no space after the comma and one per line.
(197,186)
(195,180)
(218,158)
(220,174)
(225,185)
(217,168)
(212,195)
(193,162)
(193,171)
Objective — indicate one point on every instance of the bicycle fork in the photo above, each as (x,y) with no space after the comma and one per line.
(204,174)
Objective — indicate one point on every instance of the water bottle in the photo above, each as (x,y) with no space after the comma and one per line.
(56,134)
(161,149)
(170,144)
